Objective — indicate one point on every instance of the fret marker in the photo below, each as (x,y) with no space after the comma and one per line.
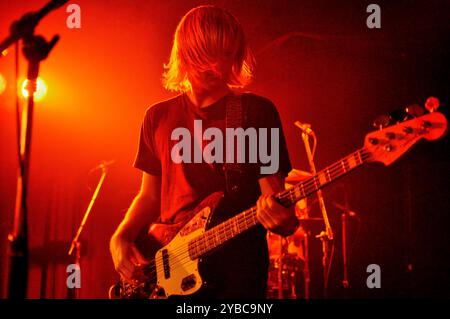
(316,182)
(343,166)
(359,157)
(329,175)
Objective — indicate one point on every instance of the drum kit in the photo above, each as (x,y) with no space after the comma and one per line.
(289,258)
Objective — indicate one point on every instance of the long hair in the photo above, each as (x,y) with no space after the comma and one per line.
(204,35)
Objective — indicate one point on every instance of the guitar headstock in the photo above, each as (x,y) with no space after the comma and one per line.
(388,144)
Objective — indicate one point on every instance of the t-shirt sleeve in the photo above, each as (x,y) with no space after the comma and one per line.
(271,120)
(147,158)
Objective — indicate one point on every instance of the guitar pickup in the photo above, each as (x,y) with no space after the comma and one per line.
(166,266)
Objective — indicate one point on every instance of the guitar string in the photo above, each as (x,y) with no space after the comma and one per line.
(153,274)
(287,194)
(181,261)
(226,229)
(175,265)
(242,222)
(185,250)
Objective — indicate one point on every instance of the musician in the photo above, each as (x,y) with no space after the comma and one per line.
(210,58)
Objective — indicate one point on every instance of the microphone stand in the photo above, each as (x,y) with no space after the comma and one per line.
(35,49)
(26,25)
(325,236)
(76,244)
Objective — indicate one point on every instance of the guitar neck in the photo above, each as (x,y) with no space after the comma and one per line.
(229,229)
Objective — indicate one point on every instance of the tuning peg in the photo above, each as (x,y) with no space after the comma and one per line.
(381,122)
(415,110)
(432,104)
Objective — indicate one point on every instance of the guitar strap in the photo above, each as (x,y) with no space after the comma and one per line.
(235,117)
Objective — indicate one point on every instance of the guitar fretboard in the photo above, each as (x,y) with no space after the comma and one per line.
(221,233)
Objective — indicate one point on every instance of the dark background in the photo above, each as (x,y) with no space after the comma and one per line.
(317,61)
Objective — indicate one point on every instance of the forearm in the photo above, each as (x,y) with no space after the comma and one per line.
(143,211)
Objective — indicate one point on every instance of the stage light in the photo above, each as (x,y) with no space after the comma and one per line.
(2,84)
(41,89)
(4,52)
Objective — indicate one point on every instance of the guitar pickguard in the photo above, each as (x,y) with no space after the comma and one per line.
(177,271)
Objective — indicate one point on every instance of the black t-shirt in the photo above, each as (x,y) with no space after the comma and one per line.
(184,185)
(244,261)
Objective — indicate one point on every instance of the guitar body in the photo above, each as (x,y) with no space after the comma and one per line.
(177,271)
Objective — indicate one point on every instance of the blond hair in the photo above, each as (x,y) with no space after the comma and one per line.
(203,35)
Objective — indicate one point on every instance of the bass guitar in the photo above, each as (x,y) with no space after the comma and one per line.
(178,249)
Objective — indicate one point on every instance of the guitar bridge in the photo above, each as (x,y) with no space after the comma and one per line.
(188,282)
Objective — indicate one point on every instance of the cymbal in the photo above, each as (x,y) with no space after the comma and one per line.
(296,176)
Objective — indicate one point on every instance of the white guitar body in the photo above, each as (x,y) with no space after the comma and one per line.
(177,273)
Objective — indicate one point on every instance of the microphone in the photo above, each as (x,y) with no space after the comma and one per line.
(28,22)
(306,128)
(103,165)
